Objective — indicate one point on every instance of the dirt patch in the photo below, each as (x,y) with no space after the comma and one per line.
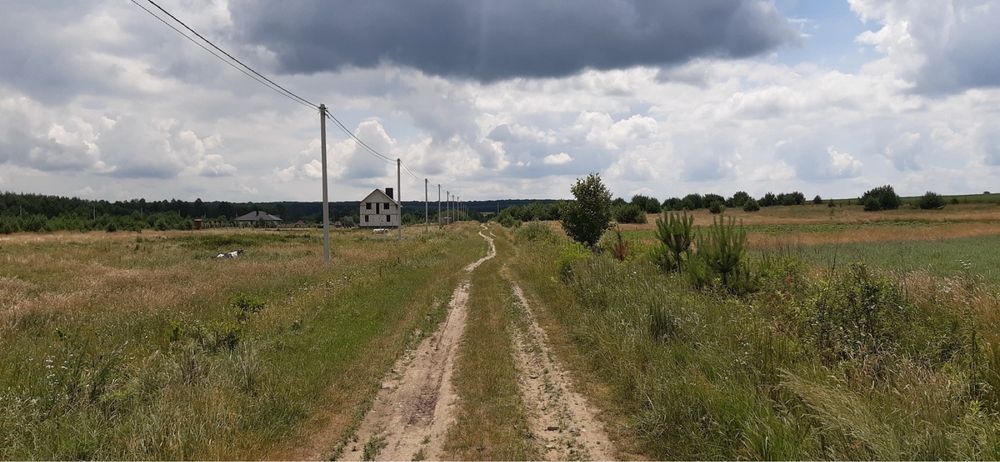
(560,420)
(416,405)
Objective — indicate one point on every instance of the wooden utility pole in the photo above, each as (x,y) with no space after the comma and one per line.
(326,198)
(399,195)
(447,205)
(427,210)
(439,205)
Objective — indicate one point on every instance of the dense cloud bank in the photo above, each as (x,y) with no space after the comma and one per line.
(493,40)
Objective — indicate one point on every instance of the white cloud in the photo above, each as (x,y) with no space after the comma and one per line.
(841,164)
(557,159)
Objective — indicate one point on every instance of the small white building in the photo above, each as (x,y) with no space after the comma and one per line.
(379,210)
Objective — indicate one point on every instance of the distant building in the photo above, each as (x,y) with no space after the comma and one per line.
(379,210)
(258,218)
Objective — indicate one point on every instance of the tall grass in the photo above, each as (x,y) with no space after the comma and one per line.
(855,364)
(146,347)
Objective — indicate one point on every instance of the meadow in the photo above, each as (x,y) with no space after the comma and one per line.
(865,336)
(145,346)
(854,335)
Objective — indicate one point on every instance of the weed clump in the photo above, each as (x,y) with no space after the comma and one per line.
(571,255)
(535,232)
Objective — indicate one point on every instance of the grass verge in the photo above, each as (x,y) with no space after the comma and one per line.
(491,424)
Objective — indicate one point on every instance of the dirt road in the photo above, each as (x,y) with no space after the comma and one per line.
(416,405)
(560,419)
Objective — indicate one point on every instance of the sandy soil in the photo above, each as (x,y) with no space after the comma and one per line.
(416,405)
(560,420)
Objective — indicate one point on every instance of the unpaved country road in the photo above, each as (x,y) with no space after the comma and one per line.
(561,421)
(412,412)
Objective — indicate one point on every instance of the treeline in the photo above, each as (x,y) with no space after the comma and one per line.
(41,213)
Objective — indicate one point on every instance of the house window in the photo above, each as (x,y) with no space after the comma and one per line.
(366,218)
(368,205)
(388,218)
(385,206)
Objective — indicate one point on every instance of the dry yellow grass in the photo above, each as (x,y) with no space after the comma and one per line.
(821,214)
(928,232)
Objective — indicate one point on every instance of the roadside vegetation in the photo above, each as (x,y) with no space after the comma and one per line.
(710,348)
(147,347)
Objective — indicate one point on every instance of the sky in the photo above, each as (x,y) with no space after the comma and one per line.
(503,98)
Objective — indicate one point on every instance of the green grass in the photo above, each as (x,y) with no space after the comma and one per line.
(491,424)
(136,348)
(974,256)
(783,373)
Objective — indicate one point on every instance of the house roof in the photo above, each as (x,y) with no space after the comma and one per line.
(379,195)
(257,215)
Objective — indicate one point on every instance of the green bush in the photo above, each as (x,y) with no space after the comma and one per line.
(629,213)
(716,207)
(817,200)
(571,255)
(872,204)
(586,218)
(880,198)
(751,205)
(930,200)
(675,232)
(535,232)
(246,305)
(722,247)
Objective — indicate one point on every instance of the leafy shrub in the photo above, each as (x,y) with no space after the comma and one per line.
(930,200)
(768,200)
(831,204)
(535,232)
(245,305)
(866,318)
(698,273)
(629,213)
(751,206)
(676,233)
(872,204)
(715,207)
(586,218)
(880,198)
(723,247)
(571,255)
(646,203)
(817,200)
(508,221)
(740,199)
(693,202)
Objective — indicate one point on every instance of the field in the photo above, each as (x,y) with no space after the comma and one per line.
(483,342)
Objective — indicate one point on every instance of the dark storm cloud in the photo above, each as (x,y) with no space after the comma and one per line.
(492,40)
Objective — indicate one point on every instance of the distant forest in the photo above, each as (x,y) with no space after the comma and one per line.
(38,213)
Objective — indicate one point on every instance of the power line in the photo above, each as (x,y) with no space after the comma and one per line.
(370,149)
(182,34)
(233,57)
(260,78)
(407,170)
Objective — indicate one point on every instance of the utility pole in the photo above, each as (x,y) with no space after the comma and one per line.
(399,195)
(447,205)
(427,210)
(326,198)
(439,205)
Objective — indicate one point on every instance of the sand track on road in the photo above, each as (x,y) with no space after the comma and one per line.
(416,405)
(563,424)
